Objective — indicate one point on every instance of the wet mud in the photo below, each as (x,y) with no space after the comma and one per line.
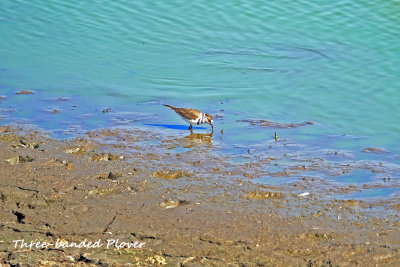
(189,208)
(25,92)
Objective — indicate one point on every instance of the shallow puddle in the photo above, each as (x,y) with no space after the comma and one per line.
(268,180)
(358,177)
(180,149)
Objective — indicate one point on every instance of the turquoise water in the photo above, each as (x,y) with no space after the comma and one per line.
(335,63)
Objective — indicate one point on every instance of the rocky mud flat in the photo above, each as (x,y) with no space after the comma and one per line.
(165,200)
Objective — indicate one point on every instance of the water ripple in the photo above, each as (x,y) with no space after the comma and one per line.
(335,63)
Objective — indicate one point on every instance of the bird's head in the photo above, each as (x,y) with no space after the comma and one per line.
(210,119)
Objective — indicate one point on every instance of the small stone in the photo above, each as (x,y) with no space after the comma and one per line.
(303,194)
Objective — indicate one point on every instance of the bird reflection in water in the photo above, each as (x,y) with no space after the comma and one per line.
(199,137)
(191,141)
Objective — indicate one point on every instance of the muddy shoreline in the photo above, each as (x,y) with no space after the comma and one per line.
(190,208)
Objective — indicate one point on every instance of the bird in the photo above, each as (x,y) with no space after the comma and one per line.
(193,116)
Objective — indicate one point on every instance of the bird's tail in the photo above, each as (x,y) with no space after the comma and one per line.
(168,106)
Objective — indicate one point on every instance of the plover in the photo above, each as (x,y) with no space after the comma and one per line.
(193,116)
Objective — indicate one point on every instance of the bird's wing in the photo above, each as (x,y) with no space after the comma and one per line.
(188,113)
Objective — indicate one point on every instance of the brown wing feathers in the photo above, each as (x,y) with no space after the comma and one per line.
(187,113)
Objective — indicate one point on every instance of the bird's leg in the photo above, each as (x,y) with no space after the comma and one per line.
(190,127)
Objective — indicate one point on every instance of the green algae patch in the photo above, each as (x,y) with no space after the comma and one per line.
(105,157)
(101,191)
(169,203)
(19,159)
(168,174)
(263,195)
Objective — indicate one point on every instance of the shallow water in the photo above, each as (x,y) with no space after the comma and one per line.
(335,64)
(371,194)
